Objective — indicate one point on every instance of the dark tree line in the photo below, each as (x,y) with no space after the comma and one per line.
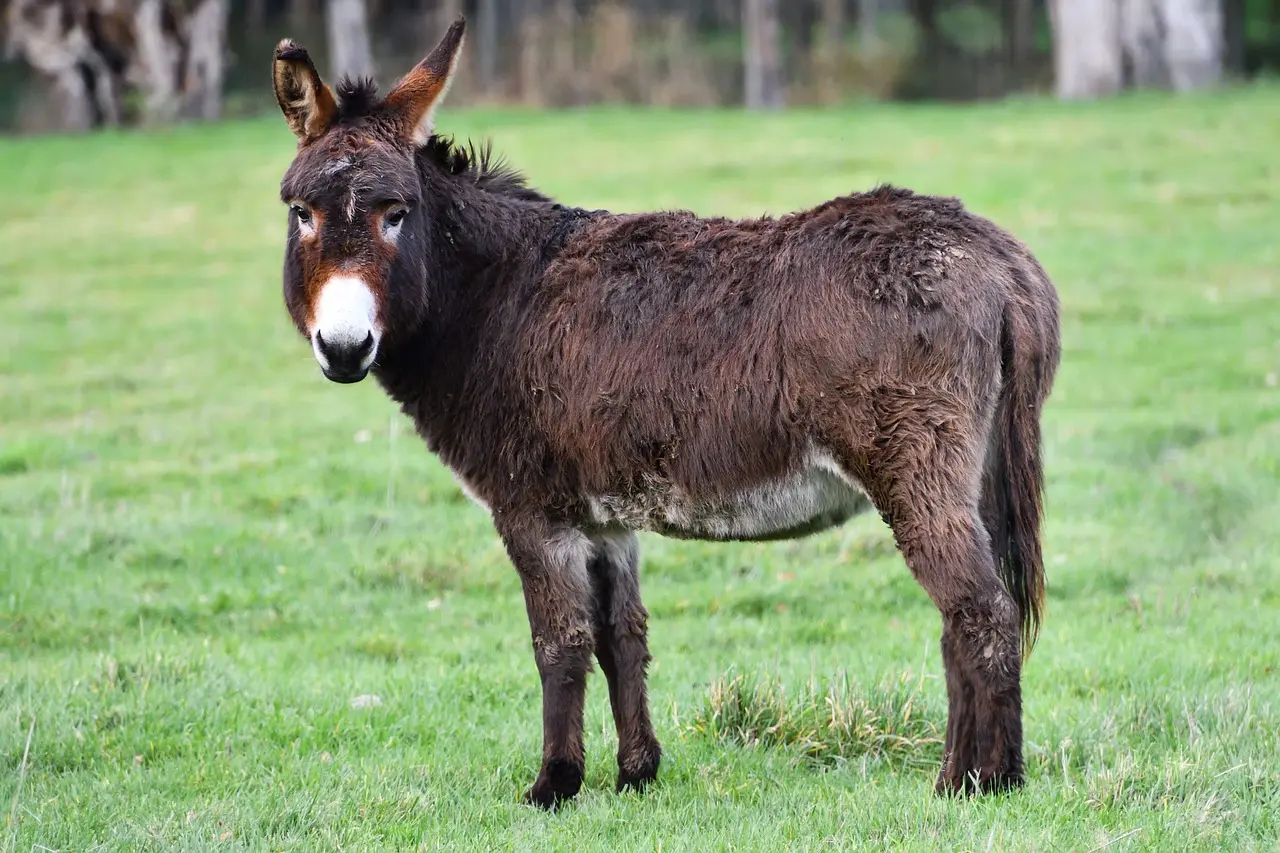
(112,61)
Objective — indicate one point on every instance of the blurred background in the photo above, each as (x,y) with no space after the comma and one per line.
(243,607)
(79,64)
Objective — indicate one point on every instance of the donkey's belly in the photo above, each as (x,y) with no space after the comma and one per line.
(815,498)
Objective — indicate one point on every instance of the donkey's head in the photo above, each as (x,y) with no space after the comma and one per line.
(357,248)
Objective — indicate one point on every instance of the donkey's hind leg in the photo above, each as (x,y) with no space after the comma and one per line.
(928,491)
(622,647)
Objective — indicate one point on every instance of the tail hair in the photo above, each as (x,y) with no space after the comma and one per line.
(1014,488)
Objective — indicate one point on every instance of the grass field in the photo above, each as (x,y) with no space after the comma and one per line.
(209,552)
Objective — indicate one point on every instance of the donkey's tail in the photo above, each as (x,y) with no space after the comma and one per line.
(1013,481)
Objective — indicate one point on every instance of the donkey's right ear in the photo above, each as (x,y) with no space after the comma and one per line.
(307,103)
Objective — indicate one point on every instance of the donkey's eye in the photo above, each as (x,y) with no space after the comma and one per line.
(392,219)
(304,215)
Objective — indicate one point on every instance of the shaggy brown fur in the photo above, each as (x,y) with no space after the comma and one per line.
(586,375)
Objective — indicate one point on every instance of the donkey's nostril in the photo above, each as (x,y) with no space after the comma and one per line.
(366,345)
(324,348)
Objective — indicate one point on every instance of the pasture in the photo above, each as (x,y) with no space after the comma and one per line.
(244,608)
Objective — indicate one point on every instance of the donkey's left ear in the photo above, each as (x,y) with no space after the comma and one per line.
(415,98)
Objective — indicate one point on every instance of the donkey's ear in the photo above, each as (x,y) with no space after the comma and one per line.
(307,103)
(416,96)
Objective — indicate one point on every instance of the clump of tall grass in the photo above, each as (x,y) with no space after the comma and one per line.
(826,725)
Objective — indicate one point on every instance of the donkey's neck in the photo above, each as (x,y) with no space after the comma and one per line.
(495,238)
(493,249)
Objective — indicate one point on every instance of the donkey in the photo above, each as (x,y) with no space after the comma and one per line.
(586,375)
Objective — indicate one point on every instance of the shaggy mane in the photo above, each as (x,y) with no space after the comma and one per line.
(488,171)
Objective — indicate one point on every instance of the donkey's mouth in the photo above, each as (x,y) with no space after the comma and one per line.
(345,377)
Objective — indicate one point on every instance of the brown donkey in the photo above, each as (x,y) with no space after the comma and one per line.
(586,375)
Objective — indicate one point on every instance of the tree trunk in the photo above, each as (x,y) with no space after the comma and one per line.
(833,26)
(1193,43)
(206,32)
(564,83)
(763,55)
(350,53)
(799,19)
(1142,43)
(831,52)
(727,13)
(925,13)
(1100,47)
(255,17)
(1019,26)
(434,27)
(868,33)
(487,45)
(75,104)
(532,69)
(1087,58)
(158,62)
(1234,18)
(447,12)
(303,13)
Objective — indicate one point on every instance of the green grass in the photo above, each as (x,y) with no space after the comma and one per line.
(207,551)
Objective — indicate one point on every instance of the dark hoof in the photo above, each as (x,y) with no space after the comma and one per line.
(557,783)
(950,784)
(637,770)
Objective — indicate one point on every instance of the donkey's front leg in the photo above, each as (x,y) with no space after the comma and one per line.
(552,562)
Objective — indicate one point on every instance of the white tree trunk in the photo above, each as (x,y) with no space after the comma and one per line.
(350,52)
(75,104)
(1087,58)
(1101,46)
(206,32)
(1194,44)
(60,54)
(1141,40)
(157,64)
(763,54)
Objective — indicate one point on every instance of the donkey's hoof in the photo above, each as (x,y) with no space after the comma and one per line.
(558,783)
(998,783)
(639,768)
(950,784)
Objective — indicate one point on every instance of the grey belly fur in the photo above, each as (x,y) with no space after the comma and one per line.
(817,497)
